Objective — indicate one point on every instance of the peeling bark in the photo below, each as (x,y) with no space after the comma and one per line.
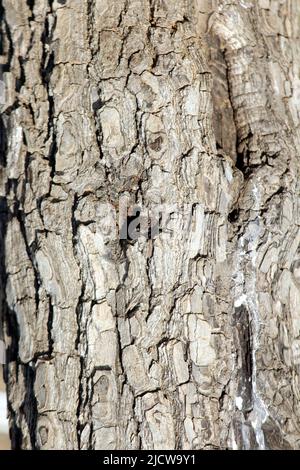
(189,339)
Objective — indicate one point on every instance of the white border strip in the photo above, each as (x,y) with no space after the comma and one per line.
(3,413)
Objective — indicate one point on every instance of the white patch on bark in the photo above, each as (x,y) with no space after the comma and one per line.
(247,295)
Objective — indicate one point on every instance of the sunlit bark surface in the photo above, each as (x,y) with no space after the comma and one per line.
(189,339)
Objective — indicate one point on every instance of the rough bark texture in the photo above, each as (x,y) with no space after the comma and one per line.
(188,341)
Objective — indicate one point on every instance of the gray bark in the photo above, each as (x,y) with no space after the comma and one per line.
(191,339)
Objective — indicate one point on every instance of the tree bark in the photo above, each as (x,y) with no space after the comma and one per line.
(189,339)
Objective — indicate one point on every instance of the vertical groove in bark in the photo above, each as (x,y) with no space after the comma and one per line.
(259,77)
(186,341)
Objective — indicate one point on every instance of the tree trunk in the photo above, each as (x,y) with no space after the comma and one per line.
(187,338)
